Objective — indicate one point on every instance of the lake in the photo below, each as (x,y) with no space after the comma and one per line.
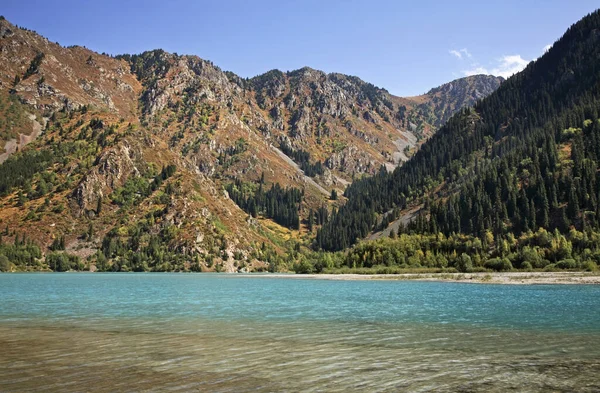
(76,332)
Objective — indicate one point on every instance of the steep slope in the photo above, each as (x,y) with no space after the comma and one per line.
(164,162)
(439,104)
(99,179)
(523,158)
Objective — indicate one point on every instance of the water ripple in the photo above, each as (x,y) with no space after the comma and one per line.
(181,333)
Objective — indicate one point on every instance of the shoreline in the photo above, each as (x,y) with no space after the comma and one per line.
(502,278)
(510,278)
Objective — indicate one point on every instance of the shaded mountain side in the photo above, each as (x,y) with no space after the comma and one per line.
(523,158)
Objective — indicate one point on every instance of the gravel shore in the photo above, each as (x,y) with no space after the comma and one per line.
(485,278)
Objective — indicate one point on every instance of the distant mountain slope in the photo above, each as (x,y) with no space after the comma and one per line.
(159,161)
(440,103)
(523,158)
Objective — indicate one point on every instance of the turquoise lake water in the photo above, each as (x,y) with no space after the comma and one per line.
(231,333)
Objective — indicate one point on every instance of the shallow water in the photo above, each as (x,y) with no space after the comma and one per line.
(203,332)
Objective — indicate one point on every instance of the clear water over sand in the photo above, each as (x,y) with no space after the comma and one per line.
(230,333)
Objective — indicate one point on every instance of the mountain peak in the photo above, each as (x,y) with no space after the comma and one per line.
(7,29)
(440,103)
(486,82)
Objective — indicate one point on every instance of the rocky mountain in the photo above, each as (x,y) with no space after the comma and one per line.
(440,103)
(160,161)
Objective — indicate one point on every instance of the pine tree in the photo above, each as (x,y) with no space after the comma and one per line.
(393,233)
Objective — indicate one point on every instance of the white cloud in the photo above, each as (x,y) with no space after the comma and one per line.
(505,67)
(460,53)
(510,65)
(547,48)
(475,70)
(455,53)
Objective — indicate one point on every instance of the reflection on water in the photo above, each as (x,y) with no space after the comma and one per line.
(174,351)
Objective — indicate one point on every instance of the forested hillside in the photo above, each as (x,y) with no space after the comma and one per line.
(525,157)
(159,161)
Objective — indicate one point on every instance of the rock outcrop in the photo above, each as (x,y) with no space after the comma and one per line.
(114,167)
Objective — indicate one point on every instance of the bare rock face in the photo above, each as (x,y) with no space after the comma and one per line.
(365,137)
(269,87)
(308,95)
(351,160)
(205,164)
(5,30)
(173,75)
(115,166)
(326,178)
(278,118)
(444,101)
(300,124)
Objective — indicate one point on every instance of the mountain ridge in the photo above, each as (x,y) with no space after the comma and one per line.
(144,160)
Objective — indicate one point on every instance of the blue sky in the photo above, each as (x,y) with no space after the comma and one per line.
(406,47)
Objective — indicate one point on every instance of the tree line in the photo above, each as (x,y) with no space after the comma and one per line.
(280,204)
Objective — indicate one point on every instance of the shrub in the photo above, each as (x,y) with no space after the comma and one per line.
(464,263)
(589,266)
(567,264)
(303,267)
(526,266)
(4,263)
(34,66)
(62,262)
(498,264)
(532,257)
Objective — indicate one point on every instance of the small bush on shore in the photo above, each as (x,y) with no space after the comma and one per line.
(566,264)
(526,266)
(589,266)
(499,264)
